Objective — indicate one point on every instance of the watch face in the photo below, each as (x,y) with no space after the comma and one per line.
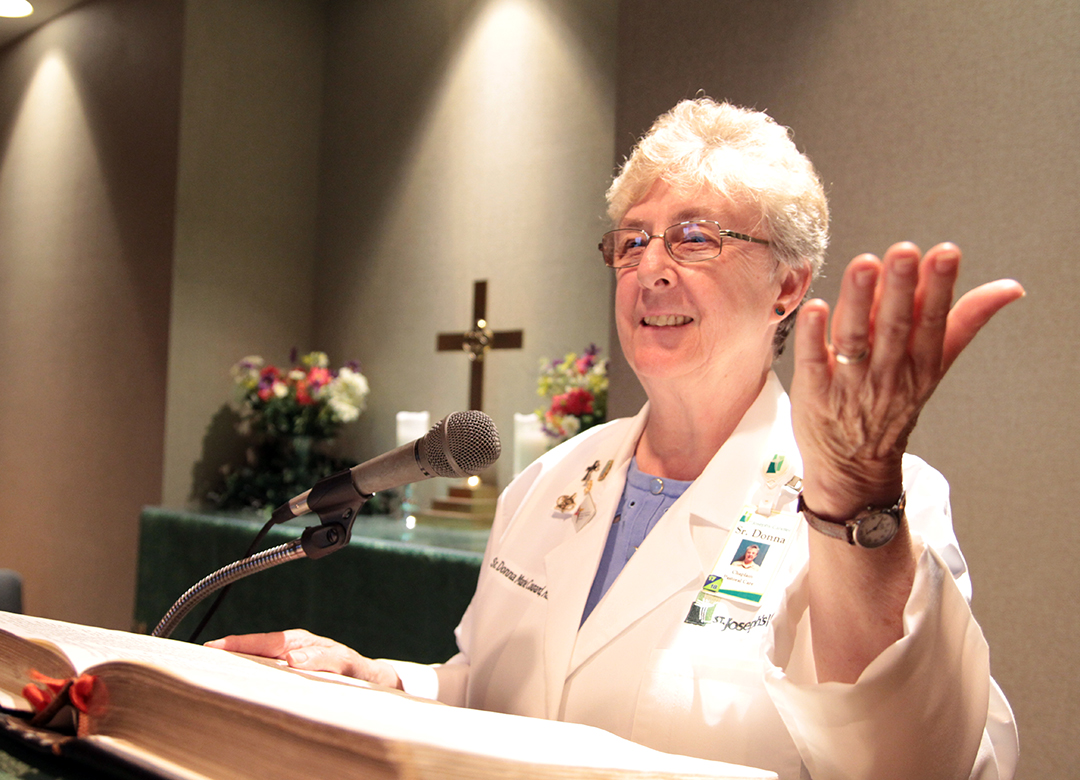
(877,530)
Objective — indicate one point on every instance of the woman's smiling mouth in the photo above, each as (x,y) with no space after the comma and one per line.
(666,320)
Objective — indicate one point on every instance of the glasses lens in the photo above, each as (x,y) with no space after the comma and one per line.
(693,242)
(624,247)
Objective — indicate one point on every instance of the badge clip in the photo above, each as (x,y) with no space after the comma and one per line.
(777,477)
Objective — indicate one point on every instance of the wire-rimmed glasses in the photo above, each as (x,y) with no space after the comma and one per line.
(687,242)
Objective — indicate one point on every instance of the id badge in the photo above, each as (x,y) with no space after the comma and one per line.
(751,558)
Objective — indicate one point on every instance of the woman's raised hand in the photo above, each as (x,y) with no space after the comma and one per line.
(860,384)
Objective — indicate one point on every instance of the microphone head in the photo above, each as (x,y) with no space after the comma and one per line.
(460,445)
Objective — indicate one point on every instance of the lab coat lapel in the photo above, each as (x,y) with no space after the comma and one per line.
(571,567)
(683,547)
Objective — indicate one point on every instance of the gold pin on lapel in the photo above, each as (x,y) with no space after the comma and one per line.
(607,468)
(566,503)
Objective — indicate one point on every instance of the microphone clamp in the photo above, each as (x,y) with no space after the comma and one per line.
(337,501)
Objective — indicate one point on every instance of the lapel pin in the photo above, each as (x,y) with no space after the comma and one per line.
(588,472)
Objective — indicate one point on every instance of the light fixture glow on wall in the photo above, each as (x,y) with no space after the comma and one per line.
(15,8)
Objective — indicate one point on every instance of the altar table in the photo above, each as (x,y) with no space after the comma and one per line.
(392,592)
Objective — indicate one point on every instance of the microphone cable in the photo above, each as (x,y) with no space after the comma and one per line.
(221,594)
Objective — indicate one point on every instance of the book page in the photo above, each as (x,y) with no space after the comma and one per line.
(86,646)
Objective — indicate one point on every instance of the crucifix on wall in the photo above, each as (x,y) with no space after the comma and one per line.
(477,342)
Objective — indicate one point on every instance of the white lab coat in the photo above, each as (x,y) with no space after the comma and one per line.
(741,689)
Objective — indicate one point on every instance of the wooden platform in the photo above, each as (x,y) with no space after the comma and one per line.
(462,507)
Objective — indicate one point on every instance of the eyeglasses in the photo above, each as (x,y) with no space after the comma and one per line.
(686,242)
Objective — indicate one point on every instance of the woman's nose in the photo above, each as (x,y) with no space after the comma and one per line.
(657,266)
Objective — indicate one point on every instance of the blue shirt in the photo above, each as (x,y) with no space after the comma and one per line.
(644,501)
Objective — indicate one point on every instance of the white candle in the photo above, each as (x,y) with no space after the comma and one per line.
(411,426)
(530,441)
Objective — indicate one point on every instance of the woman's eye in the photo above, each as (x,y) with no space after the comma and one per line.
(697,239)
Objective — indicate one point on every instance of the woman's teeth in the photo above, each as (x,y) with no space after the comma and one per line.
(667,319)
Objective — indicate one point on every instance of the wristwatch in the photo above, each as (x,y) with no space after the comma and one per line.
(872,527)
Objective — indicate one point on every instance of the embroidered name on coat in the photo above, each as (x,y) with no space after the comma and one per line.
(518,579)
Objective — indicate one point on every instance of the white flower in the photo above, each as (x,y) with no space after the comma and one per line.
(347,393)
(280,389)
(571,425)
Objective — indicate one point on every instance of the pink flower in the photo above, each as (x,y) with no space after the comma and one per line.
(318,377)
(577,401)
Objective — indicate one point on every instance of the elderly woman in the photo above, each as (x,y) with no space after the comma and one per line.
(609,595)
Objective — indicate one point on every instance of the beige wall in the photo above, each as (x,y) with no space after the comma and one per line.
(247,200)
(88,116)
(477,146)
(940,121)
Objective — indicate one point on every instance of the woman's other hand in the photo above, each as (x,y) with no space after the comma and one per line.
(301,649)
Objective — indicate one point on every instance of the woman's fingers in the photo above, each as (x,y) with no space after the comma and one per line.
(972,311)
(293,643)
(270,645)
(933,299)
(851,325)
(894,314)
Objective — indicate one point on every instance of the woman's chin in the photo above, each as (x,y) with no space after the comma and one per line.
(653,365)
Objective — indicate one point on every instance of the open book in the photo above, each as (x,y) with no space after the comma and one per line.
(187,711)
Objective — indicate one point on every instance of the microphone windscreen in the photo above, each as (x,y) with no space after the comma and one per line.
(460,445)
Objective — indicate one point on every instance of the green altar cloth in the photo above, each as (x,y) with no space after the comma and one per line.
(391,592)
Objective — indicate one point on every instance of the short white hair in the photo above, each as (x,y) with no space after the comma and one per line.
(745,156)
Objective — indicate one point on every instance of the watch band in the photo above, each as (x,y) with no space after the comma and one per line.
(885,523)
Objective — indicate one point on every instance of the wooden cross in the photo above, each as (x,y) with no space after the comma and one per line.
(477,342)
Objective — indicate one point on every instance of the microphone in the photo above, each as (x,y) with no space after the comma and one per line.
(459,445)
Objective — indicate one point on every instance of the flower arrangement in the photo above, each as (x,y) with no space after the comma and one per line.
(307,400)
(288,419)
(576,389)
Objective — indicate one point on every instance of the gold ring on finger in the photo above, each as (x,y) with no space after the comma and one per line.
(851,360)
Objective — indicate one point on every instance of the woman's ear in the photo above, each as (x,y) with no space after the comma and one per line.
(794,284)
